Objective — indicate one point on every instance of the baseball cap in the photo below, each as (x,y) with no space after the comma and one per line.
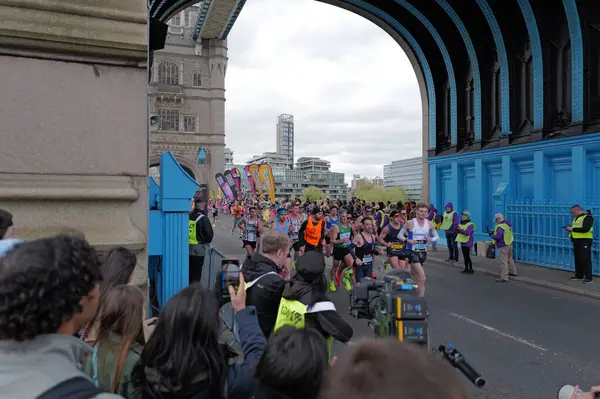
(311,265)
(282,211)
(466,213)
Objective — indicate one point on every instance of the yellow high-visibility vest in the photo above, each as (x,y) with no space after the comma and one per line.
(578,223)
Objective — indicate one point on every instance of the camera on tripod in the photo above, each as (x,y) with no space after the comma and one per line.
(392,307)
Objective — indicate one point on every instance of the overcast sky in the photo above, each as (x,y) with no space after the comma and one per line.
(350,87)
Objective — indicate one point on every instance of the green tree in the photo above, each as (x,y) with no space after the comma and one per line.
(312,194)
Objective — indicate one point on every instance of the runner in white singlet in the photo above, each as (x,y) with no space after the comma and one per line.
(420,232)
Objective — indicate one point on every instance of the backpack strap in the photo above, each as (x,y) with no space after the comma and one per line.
(74,388)
(321,307)
(198,218)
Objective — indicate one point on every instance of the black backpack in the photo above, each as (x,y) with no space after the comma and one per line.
(75,388)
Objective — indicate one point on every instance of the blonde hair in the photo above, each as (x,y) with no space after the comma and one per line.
(273,241)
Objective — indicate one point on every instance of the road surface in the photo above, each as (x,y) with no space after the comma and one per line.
(526,341)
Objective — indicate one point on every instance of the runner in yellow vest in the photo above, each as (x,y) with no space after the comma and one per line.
(304,303)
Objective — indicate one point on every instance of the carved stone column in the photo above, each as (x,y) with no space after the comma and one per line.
(74,137)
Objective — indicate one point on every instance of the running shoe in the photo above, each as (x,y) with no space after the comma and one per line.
(332,286)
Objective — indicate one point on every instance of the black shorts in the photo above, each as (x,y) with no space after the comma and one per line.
(327,240)
(215,214)
(296,246)
(399,253)
(339,253)
(416,257)
(251,243)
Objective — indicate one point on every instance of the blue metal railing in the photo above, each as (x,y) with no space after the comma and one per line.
(539,236)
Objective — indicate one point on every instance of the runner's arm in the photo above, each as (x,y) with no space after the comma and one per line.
(301,233)
(433,232)
(381,237)
(405,229)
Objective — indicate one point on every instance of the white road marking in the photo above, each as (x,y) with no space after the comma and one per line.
(504,334)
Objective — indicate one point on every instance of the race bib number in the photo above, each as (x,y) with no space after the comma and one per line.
(397,246)
(420,245)
(367,260)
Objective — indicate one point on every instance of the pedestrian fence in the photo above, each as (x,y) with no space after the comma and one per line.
(539,235)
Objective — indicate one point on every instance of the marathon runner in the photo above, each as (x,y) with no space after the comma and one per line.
(251,227)
(420,232)
(312,232)
(364,247)
(282,224)
(295,219)
(390,237)
(237,213)
(330,220)
(215,213)
(341,238)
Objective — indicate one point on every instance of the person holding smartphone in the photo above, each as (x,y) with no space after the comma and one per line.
(190,320)
(264,284)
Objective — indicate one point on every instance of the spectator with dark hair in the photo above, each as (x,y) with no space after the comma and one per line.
(120,340)
(293,365)
(117,269)
(183,357)
(48,290)
(7,229)
(389,369)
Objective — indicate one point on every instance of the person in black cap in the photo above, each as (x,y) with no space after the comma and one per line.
(304,302)
(200,234)
(312,232)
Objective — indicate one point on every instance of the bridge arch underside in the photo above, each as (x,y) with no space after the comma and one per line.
(511,102)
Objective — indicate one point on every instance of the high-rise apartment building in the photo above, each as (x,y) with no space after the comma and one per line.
(285,137)
(407,174)
(228,158)
(313,164)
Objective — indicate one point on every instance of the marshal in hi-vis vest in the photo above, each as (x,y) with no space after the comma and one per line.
(448,219)
(312,233)
(578,223)
(463,237)
(508,234)
(192,226)
(292,313)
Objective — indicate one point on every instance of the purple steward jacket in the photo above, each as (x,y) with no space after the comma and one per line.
(468,232)
(499,236)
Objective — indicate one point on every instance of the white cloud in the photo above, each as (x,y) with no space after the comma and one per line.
(350,87)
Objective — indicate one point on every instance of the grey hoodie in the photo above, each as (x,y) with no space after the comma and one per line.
(30,368)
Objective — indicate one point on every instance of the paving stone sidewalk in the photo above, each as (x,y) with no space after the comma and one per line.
(528,274)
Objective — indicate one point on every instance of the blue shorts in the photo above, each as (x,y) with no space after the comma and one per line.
(365,270)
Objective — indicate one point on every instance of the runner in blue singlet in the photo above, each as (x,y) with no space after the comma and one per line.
(330,220)
(282,224)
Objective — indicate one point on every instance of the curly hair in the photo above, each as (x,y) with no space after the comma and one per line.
(6,220)
(42,283)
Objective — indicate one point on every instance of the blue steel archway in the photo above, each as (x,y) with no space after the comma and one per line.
(462,29)
(538,64)
(577,89)
(408,37)
(447,61)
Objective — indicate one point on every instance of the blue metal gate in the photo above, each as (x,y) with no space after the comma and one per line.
(539,236)
(170,204)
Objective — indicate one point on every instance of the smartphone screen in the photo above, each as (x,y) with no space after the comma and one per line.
(230,274)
